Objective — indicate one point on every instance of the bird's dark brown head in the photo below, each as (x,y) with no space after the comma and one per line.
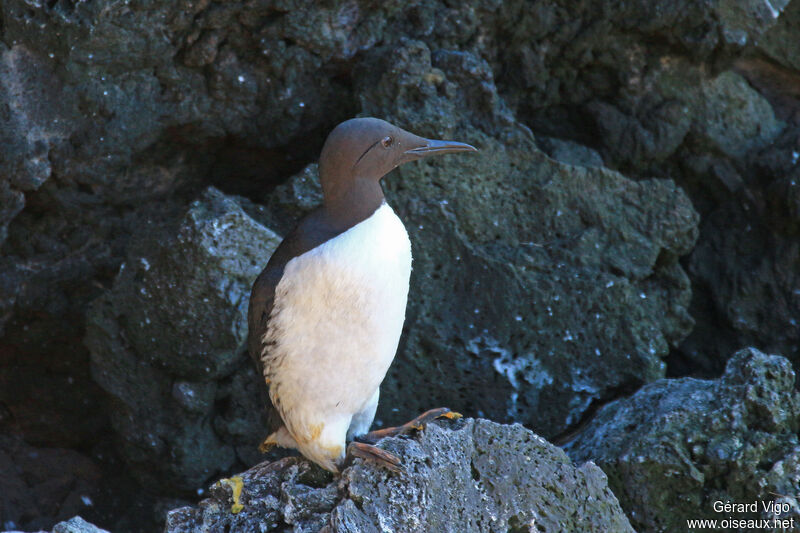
(360,151)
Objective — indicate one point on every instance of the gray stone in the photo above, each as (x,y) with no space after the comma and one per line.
(713,115)
(745,265)
(291,200)
(718,130)
(473,475)
(744,20)
(762,302)
(41,486)
(185,297)
(565,55)
(77,524)
(112,115)
(732,117)
(678,445)
(11,203)
(665,107)
(28,129)
(778,42)
(569,152)
(32,121)
(168,332)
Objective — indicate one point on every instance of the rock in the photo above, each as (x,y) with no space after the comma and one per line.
(40,486)
(12,202)
(32,123)
(291,200)
(744,20)
(732,117)
(665,108)
(717,134)
(473,475)
(752,300)
(678,445)
(710,115)
(760,296)
(77,525)
(777,42)
(565,55)
(670,107)
(170,331)
(106,122)
(29,129)
(570,152)
(185,297)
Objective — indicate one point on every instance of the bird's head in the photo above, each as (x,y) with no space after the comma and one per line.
(369,148)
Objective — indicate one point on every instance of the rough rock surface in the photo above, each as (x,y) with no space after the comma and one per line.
(473,475)
(39,486)
(777,43)
(738,162)
(678,445)
(168,343)
(77,525)
(715,108)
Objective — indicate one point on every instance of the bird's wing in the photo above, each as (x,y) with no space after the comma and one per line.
(262,299)
(261,302)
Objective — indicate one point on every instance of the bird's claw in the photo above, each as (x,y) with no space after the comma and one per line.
(451,415)
(266,446)
(418,424)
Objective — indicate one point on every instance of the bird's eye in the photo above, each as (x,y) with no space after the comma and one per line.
(386,142)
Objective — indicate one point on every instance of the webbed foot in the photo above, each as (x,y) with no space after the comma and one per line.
(371,453)
(418,424)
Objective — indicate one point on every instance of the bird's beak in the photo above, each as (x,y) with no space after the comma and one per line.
(433,147)
(427,147)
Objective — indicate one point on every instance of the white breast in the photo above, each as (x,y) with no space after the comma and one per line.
(336,322)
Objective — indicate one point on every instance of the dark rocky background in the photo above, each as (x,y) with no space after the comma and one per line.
(633,215)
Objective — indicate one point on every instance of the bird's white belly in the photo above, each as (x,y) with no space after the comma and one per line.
(337,318)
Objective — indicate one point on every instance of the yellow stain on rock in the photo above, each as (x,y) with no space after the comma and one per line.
(236,484)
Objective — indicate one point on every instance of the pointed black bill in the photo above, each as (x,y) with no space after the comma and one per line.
(434,147)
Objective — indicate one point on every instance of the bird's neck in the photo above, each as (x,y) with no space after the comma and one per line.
(352,202)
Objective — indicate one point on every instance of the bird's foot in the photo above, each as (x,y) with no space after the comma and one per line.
(371,453)
(267,445)
(418,424)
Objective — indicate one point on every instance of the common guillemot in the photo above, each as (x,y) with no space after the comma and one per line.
(326,313)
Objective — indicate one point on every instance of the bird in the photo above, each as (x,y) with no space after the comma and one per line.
(327,312)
